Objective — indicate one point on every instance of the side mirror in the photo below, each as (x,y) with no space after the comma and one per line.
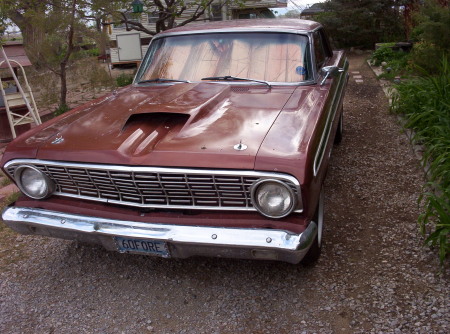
(330,72)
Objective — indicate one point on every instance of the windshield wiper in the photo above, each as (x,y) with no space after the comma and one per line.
(162,80)
(229,77)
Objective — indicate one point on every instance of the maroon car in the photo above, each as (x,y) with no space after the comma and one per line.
(219,148)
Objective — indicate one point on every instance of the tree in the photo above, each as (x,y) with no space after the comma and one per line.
(19,12)
(292,13)
(432,23)
(363,23)
(430,34)
(50,30)
(61,26)
(168,13)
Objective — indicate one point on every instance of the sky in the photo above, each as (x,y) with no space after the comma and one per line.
(296,4)
(303,2)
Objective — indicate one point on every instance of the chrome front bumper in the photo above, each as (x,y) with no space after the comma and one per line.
(182,241)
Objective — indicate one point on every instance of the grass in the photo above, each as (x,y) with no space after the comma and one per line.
(425,104)
(61,110)
(124,80)
(10,199)
(11,251)
(4,180)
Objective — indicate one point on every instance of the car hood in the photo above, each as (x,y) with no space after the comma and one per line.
(205,125)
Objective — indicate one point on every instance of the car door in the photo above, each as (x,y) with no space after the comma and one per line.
(333,87)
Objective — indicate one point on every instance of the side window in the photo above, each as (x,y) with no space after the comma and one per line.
(325,43)
(319,52)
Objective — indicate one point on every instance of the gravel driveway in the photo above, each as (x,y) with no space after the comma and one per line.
(374,275)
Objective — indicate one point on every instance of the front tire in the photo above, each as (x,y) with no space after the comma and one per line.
(316,248)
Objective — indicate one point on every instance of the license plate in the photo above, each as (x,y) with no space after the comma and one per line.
(153,247)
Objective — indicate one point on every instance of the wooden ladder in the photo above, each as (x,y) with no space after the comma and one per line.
(23,97)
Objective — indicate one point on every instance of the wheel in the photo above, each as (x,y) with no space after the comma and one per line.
(314,252)
(340,129)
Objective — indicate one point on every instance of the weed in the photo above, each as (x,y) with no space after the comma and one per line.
(124,79)
(96,75)
(4,181)
(61,110)
(10,250)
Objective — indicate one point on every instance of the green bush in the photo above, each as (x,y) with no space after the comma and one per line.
(361,24)
(427,56)
(92,52)
(425,104)
(432,22)
(61,110)
(80,54)
(431,36)
(398,58)
(124,79)
(384,53)
(397,61)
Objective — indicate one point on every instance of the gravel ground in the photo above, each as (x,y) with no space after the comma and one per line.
(374,276)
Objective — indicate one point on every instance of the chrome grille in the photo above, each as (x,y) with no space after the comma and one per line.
(154,187)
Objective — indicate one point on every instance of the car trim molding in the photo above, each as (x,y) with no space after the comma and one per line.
(318,158)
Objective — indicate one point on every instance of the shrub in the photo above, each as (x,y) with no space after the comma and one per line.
(80,54)
(424,102)
(433,21)
(383,53)
(61,110)
(397,60)
(431,33)
(362,24)
(427,56)
(97,75)
(387,54)
(124,79)
(93,52)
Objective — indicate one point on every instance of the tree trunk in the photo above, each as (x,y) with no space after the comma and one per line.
(33,34)
(63,78)
(65,61)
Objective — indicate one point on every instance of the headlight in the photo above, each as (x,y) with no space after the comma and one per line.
(273,198)
(33,183)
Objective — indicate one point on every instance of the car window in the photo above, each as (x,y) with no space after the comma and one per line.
(274,57)
(325,43)
(319,51)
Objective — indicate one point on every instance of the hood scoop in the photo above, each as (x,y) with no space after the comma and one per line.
(197,105)
(142,132)
(156,120)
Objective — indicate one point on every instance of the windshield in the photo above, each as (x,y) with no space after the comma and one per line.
(273,57)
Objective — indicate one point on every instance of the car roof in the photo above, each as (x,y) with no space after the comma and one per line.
(259,24)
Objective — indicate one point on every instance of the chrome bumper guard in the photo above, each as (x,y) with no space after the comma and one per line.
(182,241)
